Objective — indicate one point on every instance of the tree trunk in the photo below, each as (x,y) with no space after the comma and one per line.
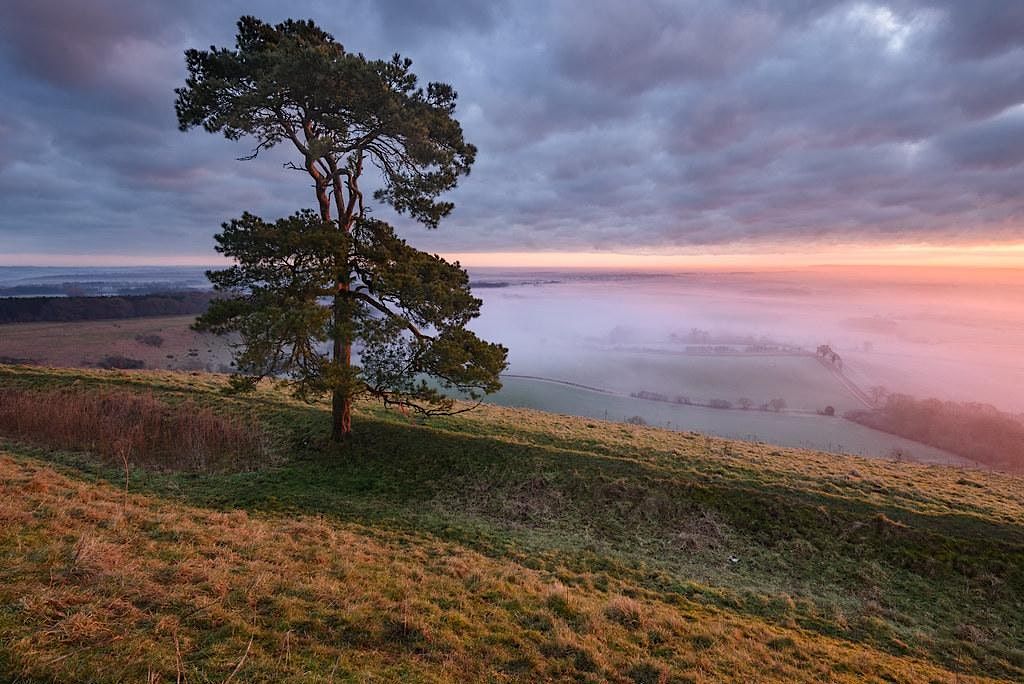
(341,416)
(343,311)
(341,397)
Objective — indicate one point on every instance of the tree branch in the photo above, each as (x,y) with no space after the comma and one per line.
(263,144)
(362,296)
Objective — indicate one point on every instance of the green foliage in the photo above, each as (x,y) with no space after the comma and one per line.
(284,271)
(308,289)
(293,82)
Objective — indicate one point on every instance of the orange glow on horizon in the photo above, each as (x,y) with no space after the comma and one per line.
(963,256)
(756,257)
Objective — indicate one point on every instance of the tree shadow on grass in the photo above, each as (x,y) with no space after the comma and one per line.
(559,506)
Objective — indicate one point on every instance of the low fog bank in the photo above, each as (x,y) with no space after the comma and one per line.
(948,333)
(91,281)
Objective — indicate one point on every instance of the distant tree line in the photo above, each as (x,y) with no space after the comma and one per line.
(979,432)
(67,309)
(777,405)
(703,341)
(91,288)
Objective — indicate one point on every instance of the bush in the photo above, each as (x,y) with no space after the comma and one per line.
(120,425)
(720,404)
(151,340)
(899,454)
(120,363)
(636,420)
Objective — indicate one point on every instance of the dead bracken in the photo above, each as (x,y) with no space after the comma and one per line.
(119,425)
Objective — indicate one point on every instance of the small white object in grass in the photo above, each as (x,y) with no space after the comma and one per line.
(734,559)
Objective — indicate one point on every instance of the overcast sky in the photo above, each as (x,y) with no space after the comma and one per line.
(669,127)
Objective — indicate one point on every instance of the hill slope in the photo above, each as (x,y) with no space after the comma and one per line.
(501,545)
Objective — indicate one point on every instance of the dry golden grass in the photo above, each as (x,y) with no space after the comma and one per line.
(97,587)
(131,428)
(926,488)
(501,545)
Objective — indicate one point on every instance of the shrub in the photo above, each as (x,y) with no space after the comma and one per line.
(121,425)
(636,420)
(720,404)
(899,454)
(151,340)
(121,363)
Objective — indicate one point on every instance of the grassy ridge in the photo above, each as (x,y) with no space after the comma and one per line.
(505,545)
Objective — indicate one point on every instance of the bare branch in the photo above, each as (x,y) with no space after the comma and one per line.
(263,144)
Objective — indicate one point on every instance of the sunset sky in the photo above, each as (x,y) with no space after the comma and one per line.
(638,134)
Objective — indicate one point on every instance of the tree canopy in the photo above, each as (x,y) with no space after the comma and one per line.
(307,289)
(293,82)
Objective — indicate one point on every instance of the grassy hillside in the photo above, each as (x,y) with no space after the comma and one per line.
(501,545)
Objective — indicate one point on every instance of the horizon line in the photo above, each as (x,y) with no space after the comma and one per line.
(1007,255)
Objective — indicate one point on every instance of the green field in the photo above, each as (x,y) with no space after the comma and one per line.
(500,545)
(799,379)
(804,430)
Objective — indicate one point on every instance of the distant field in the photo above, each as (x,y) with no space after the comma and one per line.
(984,377)
(807,431)
(85,344)
(800,380)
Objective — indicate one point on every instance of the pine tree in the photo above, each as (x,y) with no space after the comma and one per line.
(309,289)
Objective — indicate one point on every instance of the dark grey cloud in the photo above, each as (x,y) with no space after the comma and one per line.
(656,125)
(75,44)
(996,143)
(982,28)
(634,47)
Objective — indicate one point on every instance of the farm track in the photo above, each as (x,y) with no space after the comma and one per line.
(849,384)
(565,382)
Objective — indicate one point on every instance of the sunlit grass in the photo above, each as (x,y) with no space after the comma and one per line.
(503,544)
